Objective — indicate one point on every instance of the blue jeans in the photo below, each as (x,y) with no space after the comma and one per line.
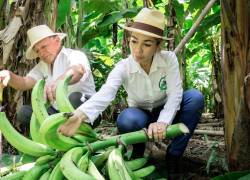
(191,107)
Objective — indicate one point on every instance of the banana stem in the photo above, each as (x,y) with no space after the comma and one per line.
(8,169)
(176,130)
(17,167)
(137,137)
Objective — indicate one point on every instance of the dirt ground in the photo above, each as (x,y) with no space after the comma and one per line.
(204,156)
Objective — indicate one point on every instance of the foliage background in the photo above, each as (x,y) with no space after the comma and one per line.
(94,26)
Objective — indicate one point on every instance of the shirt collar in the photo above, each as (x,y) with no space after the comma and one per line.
(133,65)
(62,52)
(158,62)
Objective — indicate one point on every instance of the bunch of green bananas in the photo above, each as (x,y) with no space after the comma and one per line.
(74,157)
(118,169)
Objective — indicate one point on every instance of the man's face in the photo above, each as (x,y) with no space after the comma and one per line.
(48,49)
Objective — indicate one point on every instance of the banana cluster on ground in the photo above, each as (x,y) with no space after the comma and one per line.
(82,156)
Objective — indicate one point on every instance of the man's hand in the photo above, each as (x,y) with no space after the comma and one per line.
(156,131)
(4,77)
(50,91)
(70,127)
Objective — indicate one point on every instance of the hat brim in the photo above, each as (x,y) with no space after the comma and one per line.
(31,54)
(144,32)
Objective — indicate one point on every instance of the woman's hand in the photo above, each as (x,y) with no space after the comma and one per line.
(70,127)
(156,131)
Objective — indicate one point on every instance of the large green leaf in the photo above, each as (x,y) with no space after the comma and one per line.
(246,177)
(111,18)
(209,21)
(232,175)
(93,32)
(129,13)
(63,10)
(115,16)
(187,25)
(179,10)
(91,16)
(100,25)
(196,5)
(204,30)
(101,6)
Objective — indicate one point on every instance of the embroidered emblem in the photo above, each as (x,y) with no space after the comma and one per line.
(163,83)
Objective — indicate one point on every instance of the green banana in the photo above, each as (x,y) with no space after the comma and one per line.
(14,176)
(144,171)
(86,130)
(83,162)
(20,142)
(34,130)
(45,175)
(56,173)
(84,139)
(38,102)
(116,166)
(101,158)
(36,172)
(68,167)
(51,136)
(69,140)
(62,100)
(93,171)
(64,105)
(44,159)
(136,163)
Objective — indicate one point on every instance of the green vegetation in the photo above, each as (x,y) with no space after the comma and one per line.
(93,26)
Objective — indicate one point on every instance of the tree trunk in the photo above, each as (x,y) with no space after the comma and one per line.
(171,25)
(174,33)
(20,16)
(236,82)
(216,78)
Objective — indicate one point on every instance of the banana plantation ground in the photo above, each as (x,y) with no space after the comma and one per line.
(204,157)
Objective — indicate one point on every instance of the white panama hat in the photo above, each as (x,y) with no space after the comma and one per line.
(150,22)
(36,34)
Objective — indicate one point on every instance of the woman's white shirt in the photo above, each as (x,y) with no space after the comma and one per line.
(163,85)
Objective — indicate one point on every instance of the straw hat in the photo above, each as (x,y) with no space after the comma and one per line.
(37,34)
(150,22)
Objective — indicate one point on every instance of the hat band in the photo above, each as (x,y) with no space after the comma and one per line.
(147,27)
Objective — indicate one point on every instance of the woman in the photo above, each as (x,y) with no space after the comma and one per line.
(152,81)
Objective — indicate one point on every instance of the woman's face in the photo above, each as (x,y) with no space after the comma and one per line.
(143,47)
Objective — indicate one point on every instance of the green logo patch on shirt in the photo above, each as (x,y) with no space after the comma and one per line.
(163,83)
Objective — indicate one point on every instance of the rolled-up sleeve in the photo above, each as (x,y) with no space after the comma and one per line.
(174,92)
(38,71)
(100,101)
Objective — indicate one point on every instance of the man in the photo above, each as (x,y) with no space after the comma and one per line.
(55,63)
